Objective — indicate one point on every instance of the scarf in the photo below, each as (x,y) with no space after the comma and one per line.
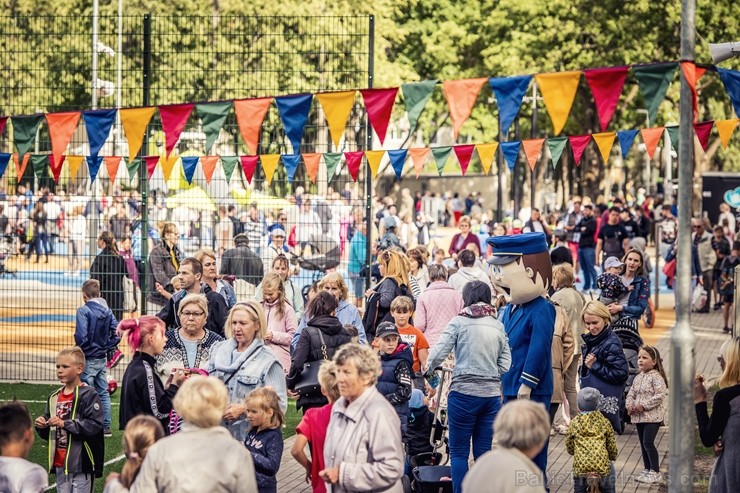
(229,361)
(479,310)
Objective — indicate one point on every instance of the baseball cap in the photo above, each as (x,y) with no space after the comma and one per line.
(612,262)
(386,329)
(278,232)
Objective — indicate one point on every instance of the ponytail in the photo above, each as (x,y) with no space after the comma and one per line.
(324,303)
(135,329)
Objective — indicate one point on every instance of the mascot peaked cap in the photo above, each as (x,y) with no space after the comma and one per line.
(507,248)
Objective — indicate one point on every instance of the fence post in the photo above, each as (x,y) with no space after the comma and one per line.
(658,228)
(143,172)
(369,146)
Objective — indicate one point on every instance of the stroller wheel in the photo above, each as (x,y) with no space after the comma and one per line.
(406,483)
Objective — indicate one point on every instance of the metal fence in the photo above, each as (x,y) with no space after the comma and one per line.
(51,228)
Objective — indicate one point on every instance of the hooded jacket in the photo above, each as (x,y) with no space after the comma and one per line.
(395,380)
(610,365)
(95,329)
(591,442)
(464,275)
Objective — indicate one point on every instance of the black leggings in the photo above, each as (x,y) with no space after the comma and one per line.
(647,432)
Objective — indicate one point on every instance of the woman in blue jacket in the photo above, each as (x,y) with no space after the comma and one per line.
(635,301)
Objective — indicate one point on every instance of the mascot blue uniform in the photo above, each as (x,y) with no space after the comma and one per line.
(521,266)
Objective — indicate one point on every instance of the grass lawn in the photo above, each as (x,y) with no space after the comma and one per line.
(35,398)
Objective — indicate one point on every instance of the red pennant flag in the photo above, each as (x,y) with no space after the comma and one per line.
(174,117)
(111,164)
(579,143)
(532,148)
(419,157)
(464,153)
(208,165)
(651,137)
(354,160)
(20,168)
(606,86)
(312,161)
(61,128)
(692,74)
(3,121)
(56,170)
(249,164)
(379,104)
(703,130)
(151,165)
(250,113)
(461,96)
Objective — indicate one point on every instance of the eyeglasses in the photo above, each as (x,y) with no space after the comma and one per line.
(191,314)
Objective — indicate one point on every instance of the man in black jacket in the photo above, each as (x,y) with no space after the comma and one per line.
(586,227)
(242,262)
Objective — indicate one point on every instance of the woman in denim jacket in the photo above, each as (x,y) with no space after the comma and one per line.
(635,301)
(244,363)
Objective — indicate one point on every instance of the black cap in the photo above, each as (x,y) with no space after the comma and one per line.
(386,329)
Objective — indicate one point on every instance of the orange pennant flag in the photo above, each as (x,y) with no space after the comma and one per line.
(61,128)
(111,164)
(21,168)
(312,161)
(725,129)
(532,149)
(74,165)
(693,74)
(208,165)
(419,157)
(651,137)
(337,107)
(373,160)
(486,153)
(269,165)
(605,141)
(168,164)
(461,96)
(250,113)
(558,91)
(135,121)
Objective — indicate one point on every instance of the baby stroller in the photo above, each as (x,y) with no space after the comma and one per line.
(631,343)
(318,256)
(5,253)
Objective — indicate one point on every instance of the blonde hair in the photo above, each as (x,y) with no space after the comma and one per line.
(335,278)
(202,401)
(140,434)
(522,425)
(74,353)
(731,374)
(256,314)
(328,380)
(274,281)
(397,266)
(562,275)
(204,252)
(266,398)
(363,357)
(400,302)
(596,308)
(194,299)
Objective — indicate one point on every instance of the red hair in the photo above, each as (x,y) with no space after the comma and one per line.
(135,329)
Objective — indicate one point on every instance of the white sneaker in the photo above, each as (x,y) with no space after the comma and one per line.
(643,476)
(651,477)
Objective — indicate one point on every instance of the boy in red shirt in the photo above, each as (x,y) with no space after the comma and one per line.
(402,309)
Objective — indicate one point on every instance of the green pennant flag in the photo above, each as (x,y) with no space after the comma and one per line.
(40,163)
(24,132)
(332,162)
(416,95)
(440,157)
(654,81)
(213,116)
(132,167)
(556,145)
(229,163)
(673,134)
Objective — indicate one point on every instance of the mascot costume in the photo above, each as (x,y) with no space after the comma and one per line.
(521,266)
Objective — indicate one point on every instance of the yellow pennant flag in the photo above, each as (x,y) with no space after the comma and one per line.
(373,160)
(605,141)
(419,158)
(111,164)
(725,129)
(74,164)
(337,107)
(558,90)
(486,153)
(269,165)
(135,121)
(168,164)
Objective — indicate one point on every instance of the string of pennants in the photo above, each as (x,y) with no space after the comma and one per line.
(558,92)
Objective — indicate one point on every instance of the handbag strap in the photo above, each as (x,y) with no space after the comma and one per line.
(323,344)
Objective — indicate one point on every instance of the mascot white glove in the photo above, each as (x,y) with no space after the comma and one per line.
(524,392)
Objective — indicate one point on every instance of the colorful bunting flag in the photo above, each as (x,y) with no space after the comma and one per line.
(693,74)
(418,157)
(250,113)
(703,130)
(509,92)
(724,129)
(56,169)
(461,96)
(135,122)
(4,160)
(731,81)
(151,165)
(486,154)
(651,137)
(379,105)
(24,132)
(354,160)
(133,167)
(293,111)
(653,81)
(189,163)
(337,108)
(20,165)
(441,154)
(111,164)
(168,164)
(75,162)
(558,91)
(93,166)
(98,124)
(605,142)
(464,152)
(398,159)
(579,143)
(415,95)
(40,163)
(290,161)
(61,128)
(174,118)
(556,146)
(373,160)
(229,163)
(331,159)
(626,138)
(511,152)
(3,121)
(312,161)
(674,136)
(606,86)
(249,165)
(208,165)
(213,116)
(532,149)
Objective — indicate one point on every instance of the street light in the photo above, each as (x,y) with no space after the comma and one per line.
(724,51)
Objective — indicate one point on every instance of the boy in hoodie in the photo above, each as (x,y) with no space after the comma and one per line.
(95,334)
(467,272)
(396,362)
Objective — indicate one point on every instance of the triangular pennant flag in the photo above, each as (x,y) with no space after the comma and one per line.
(416,95)
(56,169)
(398,159)
(509,92)
(189,163)
(464,153)
(293,111)
(168,164)
(731,81)
(133,167)
(461,96)
(229,163)
(532,149)
(441,154)
(558,91)
(3,121)
(651,137)
(511,152)
(20,165)
(135,122)
(486,154)
(111,164)
(213,116)
(724,129)
(654,81)
(337,107)
(626,138)
(75,162)
(331,159)
(93,166)
(98,124)
(312,161)
(250,113)
(379,105)
(291,161)
(556,146)
(208,165)
(703,130)
(693,74)
(269,164)
(40,162)
(249,165)
(354,160)
(579,143)
(4,160)
(151,165)
(24,132)
(674,136)
(418,157)
(174,118)
(605,141)
(373,160)
(606,86)
(61,128)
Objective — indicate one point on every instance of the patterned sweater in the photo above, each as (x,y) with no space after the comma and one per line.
(591,442)
(435,307)
(649,390)
(174,355)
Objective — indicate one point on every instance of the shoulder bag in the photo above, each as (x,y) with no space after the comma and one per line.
(307,382)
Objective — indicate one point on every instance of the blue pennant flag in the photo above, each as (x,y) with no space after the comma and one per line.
(98,124)
(290,161)
(398,159)
(511,152)
(294,114)
(509,93)
(93,165)
(731,80)
(189,163)
(626,138)
(4,160)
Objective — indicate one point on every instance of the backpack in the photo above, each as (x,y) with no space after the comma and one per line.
(375,314)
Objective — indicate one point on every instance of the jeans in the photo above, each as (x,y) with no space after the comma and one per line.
(606,484)
(73,483)
(646,432)
(587,258)
(95,376)
(469,417)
